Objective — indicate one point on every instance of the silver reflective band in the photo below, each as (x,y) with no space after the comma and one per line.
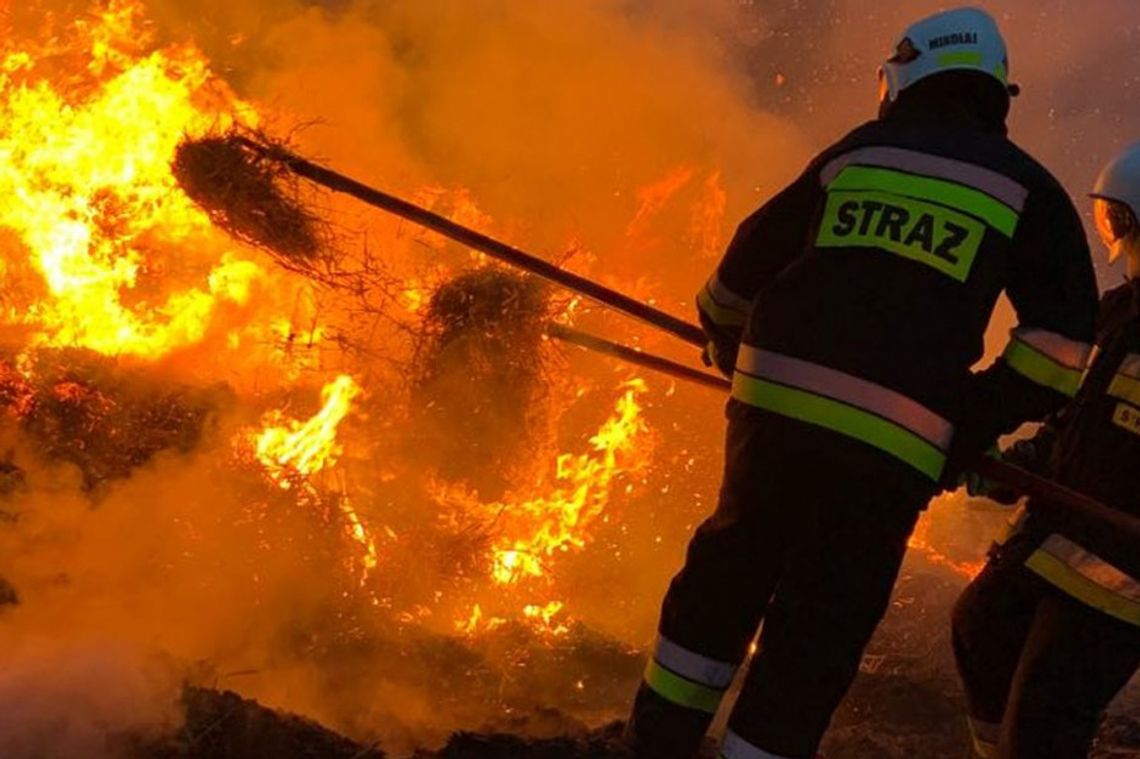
(1093,568)
(1071,353)
(693,666)
(1131,366)
(996,185)
(839,386)
(725,297)
(735,747)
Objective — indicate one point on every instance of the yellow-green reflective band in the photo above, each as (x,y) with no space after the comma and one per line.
(1060,574)
(924,232)
(725,317)
(960,59)
(1036,366)
(680,691)
(839,417)
(966,199)
(1125,388)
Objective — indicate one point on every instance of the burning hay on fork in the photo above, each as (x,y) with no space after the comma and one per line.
(251,195)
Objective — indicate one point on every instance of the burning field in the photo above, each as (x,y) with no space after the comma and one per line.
(341,493)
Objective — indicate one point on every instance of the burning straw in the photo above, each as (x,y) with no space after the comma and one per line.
(248,192)
(482,374)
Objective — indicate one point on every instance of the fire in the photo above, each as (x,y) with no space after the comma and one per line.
(88,191)
(293,451)
(538,528)
(920,541)
(290,447)
(542,617)
(529,532)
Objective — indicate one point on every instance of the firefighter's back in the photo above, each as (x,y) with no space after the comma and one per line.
(919,229)
(917,224)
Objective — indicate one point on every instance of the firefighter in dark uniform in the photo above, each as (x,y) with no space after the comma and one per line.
(1050,631)
(852,306)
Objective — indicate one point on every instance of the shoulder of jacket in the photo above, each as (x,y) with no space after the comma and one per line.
(862,135)
(1034,175)
(1117,300)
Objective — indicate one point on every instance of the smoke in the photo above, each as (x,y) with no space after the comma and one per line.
(94,699)
(624,137)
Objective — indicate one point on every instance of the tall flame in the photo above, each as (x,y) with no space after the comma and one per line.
(292,451)
(88,191)
(290,447)
(540,527)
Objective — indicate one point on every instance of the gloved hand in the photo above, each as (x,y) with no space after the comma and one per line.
(1022,453)
(963,449)
(722,356)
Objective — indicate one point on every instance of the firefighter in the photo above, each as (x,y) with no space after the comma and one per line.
(1049,632)
(852,306)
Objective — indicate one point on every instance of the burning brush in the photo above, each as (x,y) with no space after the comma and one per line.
(269,188)
(80,408)
(482,373)
(239,179)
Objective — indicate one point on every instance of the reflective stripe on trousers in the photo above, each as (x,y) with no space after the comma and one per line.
(735,747)
(1048,359)
(687,678)
(1088,578)
(845,404)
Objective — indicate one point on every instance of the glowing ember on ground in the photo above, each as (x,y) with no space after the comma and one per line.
(920,541)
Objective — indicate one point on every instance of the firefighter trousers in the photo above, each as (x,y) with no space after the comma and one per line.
(807,538)
(1039,667)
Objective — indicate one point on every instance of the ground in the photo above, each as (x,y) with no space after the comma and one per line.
(906,703)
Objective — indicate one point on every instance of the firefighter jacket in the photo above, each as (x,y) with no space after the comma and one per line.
(859,296)
(1093,447)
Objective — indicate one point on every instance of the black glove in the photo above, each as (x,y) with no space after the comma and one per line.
(978,486)
(969,442)
(722,356)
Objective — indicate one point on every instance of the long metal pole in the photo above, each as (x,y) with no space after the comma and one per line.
(1020,480)
(639,358)
(337,182)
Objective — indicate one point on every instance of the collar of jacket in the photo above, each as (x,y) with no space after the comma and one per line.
(953,103)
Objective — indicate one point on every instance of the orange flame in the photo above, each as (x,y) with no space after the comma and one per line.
(290,447)
(920,541)
(292,451)
(559,521)
(88,190)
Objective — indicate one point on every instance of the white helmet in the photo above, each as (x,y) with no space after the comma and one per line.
(965,39)
(1116,203)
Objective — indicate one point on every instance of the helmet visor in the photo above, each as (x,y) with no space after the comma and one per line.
(1114,222)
